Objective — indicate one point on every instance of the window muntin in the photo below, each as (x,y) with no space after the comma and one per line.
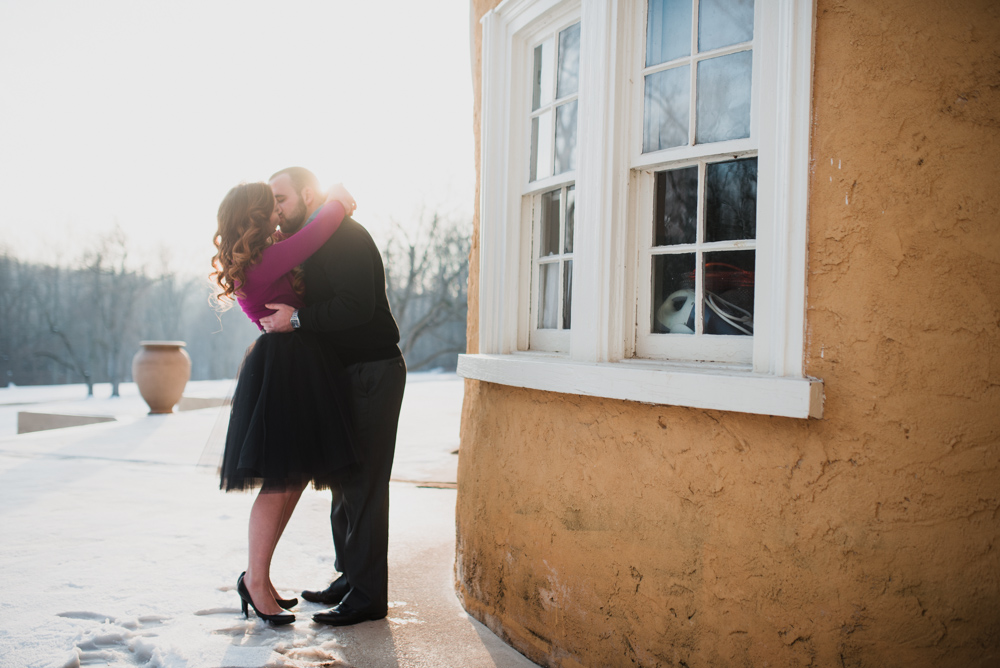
(698,72)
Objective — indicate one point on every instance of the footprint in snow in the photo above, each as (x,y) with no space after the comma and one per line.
(217,611)
(90,616)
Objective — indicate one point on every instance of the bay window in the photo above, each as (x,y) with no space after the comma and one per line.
(643,201)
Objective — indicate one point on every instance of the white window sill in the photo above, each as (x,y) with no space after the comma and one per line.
(698,386)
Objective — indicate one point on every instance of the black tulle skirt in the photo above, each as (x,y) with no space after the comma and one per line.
(290,419)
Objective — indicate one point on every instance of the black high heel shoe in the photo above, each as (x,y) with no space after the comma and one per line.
(286,603)
(245,599)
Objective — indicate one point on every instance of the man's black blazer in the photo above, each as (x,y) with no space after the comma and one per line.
(346,300)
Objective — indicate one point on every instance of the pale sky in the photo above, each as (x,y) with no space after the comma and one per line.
(146,113)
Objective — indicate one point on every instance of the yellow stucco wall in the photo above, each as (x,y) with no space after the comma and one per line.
(596,532)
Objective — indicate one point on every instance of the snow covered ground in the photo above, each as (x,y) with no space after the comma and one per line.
(118,549)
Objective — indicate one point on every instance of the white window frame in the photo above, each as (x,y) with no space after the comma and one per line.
(600,361)
(531,336)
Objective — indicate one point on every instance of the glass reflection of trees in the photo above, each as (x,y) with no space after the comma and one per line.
(668,31)
(723,23)
(676,212)
(731,200)
(566,137)
(667,109)
(723,108)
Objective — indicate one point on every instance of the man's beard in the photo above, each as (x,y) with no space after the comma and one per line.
(293,223)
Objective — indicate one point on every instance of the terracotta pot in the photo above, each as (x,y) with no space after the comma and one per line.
(161,369)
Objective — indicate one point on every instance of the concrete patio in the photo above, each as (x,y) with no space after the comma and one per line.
(119,550)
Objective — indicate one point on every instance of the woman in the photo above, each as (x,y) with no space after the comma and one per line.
(289,423)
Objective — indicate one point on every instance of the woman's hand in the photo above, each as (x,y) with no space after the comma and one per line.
(338,192)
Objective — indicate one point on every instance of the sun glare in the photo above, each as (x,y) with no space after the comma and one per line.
(145,114)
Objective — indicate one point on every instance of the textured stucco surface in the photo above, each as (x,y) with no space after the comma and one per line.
(595,532)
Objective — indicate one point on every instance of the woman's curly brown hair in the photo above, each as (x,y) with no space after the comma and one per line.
(244,232)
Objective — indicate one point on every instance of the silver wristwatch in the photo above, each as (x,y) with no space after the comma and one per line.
(295,319)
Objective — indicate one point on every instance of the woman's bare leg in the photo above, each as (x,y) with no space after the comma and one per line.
(265,520)
(290,503)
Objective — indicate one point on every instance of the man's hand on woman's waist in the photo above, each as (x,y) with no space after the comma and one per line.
(280,321)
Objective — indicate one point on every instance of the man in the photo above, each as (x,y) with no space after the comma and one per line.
(346,301)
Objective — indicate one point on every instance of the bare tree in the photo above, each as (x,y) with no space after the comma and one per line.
(13,307)
(66,335)
(116,291)
(83,322)
(166,303)
(427,275)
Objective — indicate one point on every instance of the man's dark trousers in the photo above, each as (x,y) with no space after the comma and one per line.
(359,516)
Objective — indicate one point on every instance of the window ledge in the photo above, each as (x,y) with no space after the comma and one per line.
(715,387)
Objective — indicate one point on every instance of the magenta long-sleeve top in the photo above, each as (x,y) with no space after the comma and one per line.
(270,280)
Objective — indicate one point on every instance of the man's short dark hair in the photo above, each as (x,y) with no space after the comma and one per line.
(301,178)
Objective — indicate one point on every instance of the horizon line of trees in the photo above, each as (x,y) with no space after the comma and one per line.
(82,321)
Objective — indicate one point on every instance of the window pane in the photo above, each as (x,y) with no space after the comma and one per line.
(668,30)
(666,109)
(673,294)
(541,90)
(731,200)
(724,22)
(729,279)
(724,97)
(676,216)
(569,61)
(570,215)
(566,137)
(567,292)
(541,146)
(549,222)
(548,296)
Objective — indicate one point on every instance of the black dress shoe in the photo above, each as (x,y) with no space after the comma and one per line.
(345,615)
(332,595)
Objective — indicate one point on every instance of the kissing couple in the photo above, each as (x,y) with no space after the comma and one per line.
(319,392)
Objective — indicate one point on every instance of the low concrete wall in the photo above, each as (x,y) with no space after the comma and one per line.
(30,422)
(197,403)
